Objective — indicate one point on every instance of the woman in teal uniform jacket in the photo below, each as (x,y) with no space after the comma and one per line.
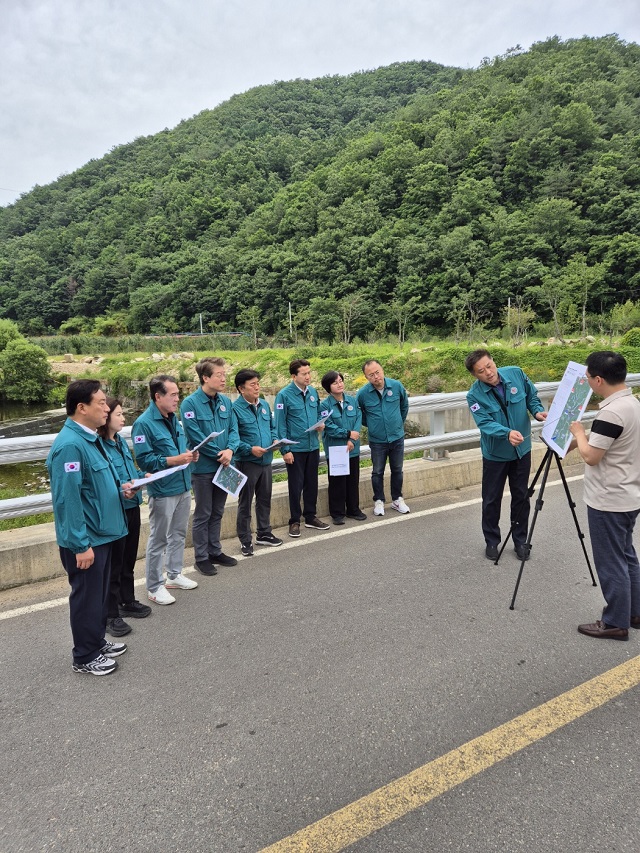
(342,427)
(124,552)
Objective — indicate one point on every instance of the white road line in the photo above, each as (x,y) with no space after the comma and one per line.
(306,540)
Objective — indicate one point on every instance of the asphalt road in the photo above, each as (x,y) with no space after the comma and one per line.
(310,676)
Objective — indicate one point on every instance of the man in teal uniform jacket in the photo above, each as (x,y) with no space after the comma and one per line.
(500,401)
(384,404)
(89,516)
(205,411)
(298,409)
(159,443)
(256,431)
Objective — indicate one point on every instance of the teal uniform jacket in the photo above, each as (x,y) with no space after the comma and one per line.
(338,426)
(384,412)
(88,503)
(295,413)
(155,438)
(122,460)
(496,419)
(202,415)
(255,429)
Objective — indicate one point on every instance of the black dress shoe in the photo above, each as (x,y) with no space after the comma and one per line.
(601,631)
(339,519)
(491,552)
(205,567)
(359,516)
(223,560)
(635,621)
(522,552)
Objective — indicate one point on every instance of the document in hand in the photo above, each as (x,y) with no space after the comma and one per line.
(144,481)
(320,422)
(206,440)
(230,480)
(279,442)
(339,460)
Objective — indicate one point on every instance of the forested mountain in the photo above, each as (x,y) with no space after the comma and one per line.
(446,189)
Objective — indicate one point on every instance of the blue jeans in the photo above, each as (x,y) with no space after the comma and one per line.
(616,562)
(394,452)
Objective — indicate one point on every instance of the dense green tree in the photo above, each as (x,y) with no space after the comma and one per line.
(25,375)
(459,189)
(9,331)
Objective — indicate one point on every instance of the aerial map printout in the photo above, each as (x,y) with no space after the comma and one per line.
(569,404)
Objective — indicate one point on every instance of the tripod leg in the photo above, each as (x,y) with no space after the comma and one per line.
(538,507)
(530,492)
(572,507)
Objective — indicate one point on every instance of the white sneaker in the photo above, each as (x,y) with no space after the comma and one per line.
(180,582)
(161,596)
(400,506)
(378,508)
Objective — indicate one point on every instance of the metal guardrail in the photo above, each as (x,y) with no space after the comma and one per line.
(35,448)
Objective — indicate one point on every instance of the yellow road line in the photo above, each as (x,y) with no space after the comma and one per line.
(380,808)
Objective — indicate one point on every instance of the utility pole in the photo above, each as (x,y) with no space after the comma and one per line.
(200,323)
(290,321)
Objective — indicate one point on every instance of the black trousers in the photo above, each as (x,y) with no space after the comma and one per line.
(344,492)
(259,485)
(124,553)
(302,477)
(494,477)
(88,601)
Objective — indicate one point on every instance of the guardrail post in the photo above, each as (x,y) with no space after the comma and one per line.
(436,427)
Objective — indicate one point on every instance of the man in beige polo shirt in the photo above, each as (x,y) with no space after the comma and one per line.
(612,494)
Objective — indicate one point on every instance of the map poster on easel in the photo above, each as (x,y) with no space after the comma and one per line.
(569,404)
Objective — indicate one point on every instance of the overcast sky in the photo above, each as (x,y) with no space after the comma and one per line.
(78,77)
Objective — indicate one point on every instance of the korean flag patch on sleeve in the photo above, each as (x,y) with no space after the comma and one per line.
(140,439)
(189,415)
(475,407)
(279,405)
(70,467)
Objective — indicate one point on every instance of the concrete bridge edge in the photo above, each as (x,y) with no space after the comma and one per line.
(30,554)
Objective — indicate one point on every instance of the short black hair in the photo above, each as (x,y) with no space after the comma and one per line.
(329,378)
(296,364)
(157,385)
(474,357)
(370,361)
(608,365)
(81,391)
(245,375)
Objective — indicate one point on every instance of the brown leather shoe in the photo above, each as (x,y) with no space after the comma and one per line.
(602,632)
(294,529)
(635,621)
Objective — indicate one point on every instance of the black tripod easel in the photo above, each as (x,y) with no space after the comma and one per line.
(543,469)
